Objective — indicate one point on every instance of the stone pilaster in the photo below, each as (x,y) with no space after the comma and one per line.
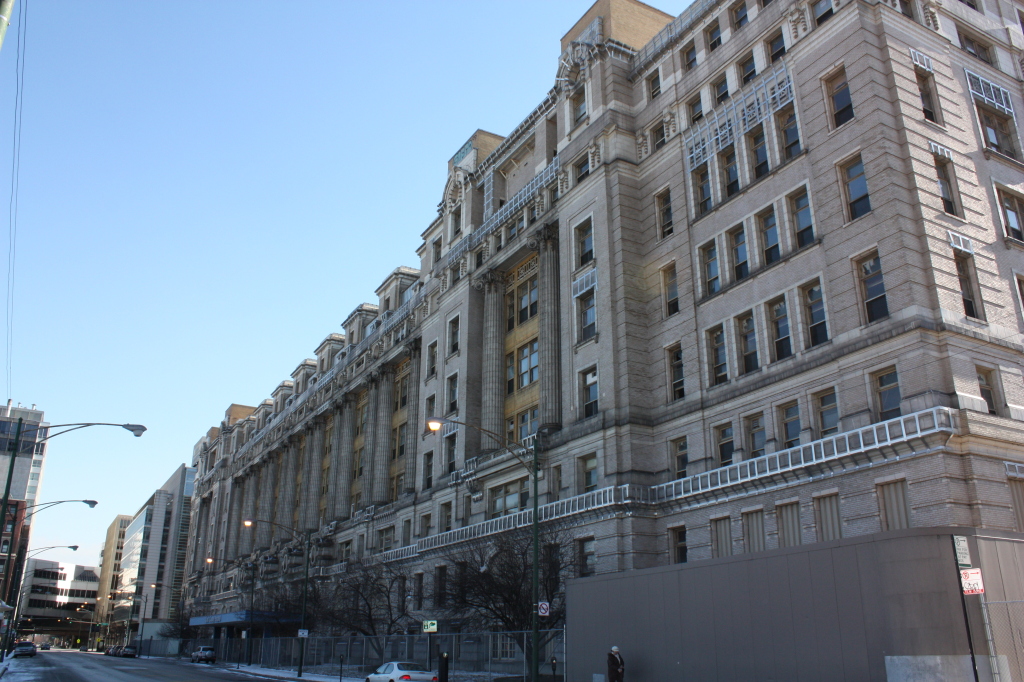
(412,426)
(285,510)
(265,505)
(550,336)
(332,511)
(309,511)
(343,475)
(381,455)
(492,413)
(248,511)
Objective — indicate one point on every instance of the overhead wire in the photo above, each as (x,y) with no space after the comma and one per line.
(12,211)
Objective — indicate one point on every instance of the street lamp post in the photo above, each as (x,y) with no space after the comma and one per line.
(248,523)
(142,618)
(518,451)
(17,597)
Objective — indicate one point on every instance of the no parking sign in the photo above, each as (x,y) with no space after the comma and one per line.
(543,608)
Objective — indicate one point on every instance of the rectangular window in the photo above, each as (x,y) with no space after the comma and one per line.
(790,431)
(721,90)
(585,242)
(709,260)
(776,47)
(873,288)
(721,537)
(441,576)
(663,204)
(887,395)
(839,97)
(588,557)
(432,360)
(589,393)
(659,137)
(718,356)
(814,309)
(579,106)
(965,275)
(588,473)
(740,264)
(1013,214)
(856,189)
(753,531)
(789,133)
(971,3)
(769,230)
(928,98)
(828,413)
(453,336)
(678,545)
(510,374)
(702,189)
(758,152)
(730,171)
(986,383)
(696,110)
(681,456)
(654,84)
(437,251)
(756,437)
(428,470)
(1017,495)
(529,363)
(826,514)
(788,518)
(582,168)
(975,47)
(690,57)
(748,69)
(780,329)
(892,505)
(714,36)
(946,186)
(453,393)
(431,406)
(588,315)
(670,286)
(739,15)
(675,372)
(822,10)
(724,441)
(995,128)
(456,222)
(748,342)
(451,443)
(509,498)
(527,293)
(528,420)
(803,224)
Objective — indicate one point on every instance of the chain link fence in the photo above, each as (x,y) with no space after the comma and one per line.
(492,656)
(1005,631)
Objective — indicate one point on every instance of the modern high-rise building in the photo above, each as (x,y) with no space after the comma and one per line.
(58,599)
(110,566)
(750,279)
(153,557)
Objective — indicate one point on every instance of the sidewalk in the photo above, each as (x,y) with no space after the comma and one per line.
(270,673)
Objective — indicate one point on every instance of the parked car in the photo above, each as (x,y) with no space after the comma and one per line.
(45,646)
(204,654)
(402,671)
(109,651)
(128,652)
(24,649)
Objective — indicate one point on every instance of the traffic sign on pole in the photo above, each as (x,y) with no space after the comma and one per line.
(963,552)
(303,633)
(430,626)
(971,580)
(543,608)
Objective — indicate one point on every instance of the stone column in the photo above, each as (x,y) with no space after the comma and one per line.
(199,532)
(309,512)
(244,534)
(492,414)
(550,337)
(239,491)
(265,504)
(412,425)
(286,492)
(331,511)
(380,458)
(343,474)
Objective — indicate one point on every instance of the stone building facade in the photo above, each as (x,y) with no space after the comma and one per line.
(748,278)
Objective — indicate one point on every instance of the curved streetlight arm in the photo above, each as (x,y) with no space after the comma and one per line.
(136,429)
(33,552)
(515,448)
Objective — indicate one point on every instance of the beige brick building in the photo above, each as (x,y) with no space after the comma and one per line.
(749,278)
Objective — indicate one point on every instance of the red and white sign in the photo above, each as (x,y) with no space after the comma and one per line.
(543,608)
(970,578)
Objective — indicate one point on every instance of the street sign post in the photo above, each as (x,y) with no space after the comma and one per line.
(543,608)
(970,579)
(303,633)
(963,552)
(430,626)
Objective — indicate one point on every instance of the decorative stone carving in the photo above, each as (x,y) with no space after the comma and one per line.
(931,19)
(798,20)
(642,147)
(668,117)
(594,155)
(563,182)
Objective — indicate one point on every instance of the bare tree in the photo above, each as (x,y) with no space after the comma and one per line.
(370,600)
(179,628)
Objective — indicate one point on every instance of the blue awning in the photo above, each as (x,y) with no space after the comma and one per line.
(243,618)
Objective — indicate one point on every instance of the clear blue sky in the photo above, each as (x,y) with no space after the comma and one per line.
(209,188)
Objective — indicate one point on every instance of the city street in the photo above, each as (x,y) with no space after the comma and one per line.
(74,666)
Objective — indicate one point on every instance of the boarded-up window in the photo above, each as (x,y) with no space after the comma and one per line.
(826,509)
(1017,493)
(753,531)
(892,505)
(788,518)
(721,537)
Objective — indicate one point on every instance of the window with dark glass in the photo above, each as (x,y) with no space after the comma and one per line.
(739,15)
(718,355)
(776,47)
(758,152)
(822,10)
(585,242)
(663,205)
(689,57)
(967,294)
(986,384)
(928,108)
(748,342)
(975,47)
(671,288)
(802,223)
(790,425)
(588,315)
(740,264)
(702,189)
(654,84)
(583,168)
(659,136)
(946,187)
(814,307)
(679,545)
(724,441)
(780,329)
(842,103)
(709,259)
(789,133)
(696,110)
(527,294)
(529,363)
(995,128)
(857,197)
(453,393)
(1013,214)
(873,288)
(714,35)
(579,106)
(675,371)
(756,437)
(748,70)
(770,250)
(453,336)
(730,172)
(721,90)
(887,394)
(828,414)
(681,456)
(589,393)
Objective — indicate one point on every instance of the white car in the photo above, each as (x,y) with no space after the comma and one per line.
(401,671)
(204,654)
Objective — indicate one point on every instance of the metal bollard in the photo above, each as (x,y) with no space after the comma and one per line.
(442,668)
(341,667)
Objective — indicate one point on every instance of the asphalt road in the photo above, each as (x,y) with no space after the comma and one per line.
(76,666)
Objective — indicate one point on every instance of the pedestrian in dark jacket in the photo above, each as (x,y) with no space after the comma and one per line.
(616,666)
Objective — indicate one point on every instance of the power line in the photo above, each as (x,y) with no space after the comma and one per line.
(12,211)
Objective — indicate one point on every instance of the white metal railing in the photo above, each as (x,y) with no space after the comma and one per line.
(826,449)
(1014,470)
(669,34)
(398,553)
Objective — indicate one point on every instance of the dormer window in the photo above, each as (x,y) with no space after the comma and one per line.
(457,222)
